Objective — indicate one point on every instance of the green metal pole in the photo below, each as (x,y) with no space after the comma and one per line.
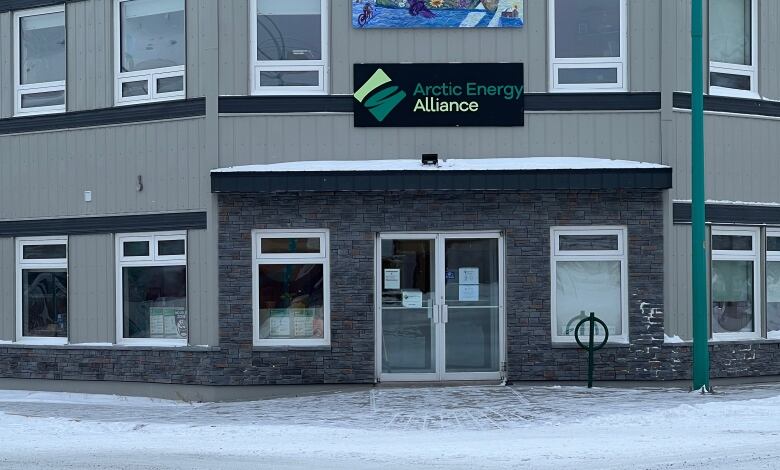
(701,354)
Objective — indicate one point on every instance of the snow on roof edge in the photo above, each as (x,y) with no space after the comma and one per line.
(467,164)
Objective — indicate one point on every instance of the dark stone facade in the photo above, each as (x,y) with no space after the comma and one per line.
(353,219)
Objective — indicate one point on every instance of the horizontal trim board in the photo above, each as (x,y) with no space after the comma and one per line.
(743,214)
(726,104)
(194,107)
(650,101)
(644,101)
(308,181)
(109,224)
(285,104)
(15,5)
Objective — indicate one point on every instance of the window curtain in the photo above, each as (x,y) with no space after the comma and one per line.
(588,286)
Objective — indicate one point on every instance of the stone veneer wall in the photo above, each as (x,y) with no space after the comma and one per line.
(353,220)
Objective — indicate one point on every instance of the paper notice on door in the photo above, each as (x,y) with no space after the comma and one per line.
(468,276)
(468,293)
(411,299)
(392,279)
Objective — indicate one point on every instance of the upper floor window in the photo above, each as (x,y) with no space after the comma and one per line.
(150,50)
(290,46)
(733,51)
(588,45)
(39,58)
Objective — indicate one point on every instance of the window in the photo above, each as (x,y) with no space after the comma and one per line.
(773,283)
(39,58)
(150,50)
(733,47)
(152,289)
(289,46)
(589,275)
(291,293)
(588,45)
(42,290)
(735,287)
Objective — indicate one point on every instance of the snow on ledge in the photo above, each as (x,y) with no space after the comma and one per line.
(674,340)
(732,203)
(466,164)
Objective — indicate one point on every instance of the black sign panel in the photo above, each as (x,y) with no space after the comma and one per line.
(439,95)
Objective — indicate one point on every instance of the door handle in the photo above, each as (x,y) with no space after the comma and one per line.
(445,314)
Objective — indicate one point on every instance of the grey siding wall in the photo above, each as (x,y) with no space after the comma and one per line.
(201,45)
(6,70)
(233,47)
(267,139)
(202,287)
(741,158)
(529,45)
(45,174)
(90,78)
(7,288)
(769,42)
(91,297)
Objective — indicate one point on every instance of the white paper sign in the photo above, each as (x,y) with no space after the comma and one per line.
(392,279)
(279,323)
(411,299)
(468,276)
(468,293)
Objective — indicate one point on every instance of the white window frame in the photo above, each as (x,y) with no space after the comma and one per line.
(753,255)
(619,63)
(321,66)
(33,88)
(323,257)
(153,259)
(621,255)
(150,76)
(771,256)
(750,71)
(21,264)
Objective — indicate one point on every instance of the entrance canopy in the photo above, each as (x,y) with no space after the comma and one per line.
(538,173)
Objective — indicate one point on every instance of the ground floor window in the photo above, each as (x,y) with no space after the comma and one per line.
(735,287)
(42,290)
(773,283)
(291,288)
(588,273)
(152,288)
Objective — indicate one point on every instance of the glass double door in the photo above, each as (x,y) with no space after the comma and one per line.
(440,306)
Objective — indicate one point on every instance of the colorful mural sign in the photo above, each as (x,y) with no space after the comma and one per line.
(437,13)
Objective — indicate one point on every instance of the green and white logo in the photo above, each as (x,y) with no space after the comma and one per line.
(382,102)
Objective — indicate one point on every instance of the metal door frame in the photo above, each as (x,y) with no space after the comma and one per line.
(439,239)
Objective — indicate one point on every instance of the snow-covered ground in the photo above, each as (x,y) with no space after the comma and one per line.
(542,427)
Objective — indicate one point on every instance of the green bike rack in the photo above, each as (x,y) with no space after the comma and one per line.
(591,348)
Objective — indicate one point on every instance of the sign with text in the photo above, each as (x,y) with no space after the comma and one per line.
(439,95)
